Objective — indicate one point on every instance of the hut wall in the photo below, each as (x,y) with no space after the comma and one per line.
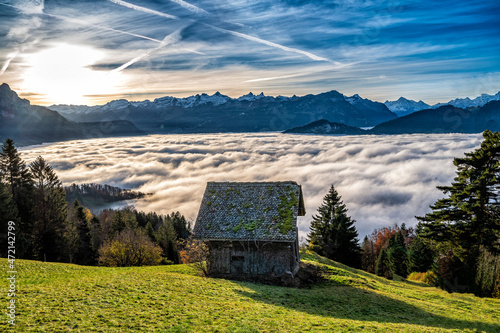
(248,259)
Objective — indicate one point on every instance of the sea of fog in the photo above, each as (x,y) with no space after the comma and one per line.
(383,180)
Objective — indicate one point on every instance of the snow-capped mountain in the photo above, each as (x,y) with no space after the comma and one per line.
(403,106)
(467,102)
(217,112)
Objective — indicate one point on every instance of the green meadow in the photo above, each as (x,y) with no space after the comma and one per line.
(54,297)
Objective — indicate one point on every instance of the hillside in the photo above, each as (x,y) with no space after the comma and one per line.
(64,297)
(445,119)
(30,124)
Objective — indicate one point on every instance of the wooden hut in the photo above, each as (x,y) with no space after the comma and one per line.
(251,228)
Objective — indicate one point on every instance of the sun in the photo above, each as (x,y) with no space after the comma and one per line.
(62,74)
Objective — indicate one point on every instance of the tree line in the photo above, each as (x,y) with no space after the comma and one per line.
(51,229)
(455,247)
(95,195)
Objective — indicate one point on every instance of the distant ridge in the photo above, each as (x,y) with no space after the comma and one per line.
(325,127)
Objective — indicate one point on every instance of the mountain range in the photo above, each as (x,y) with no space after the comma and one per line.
(326,113)
(444,119)
(403,106)
(219,113)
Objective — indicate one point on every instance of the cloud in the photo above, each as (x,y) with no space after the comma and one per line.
(383,180)
(21,33)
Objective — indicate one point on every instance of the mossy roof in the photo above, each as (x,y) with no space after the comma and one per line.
(265,211)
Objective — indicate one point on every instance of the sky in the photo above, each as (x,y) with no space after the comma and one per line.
(383,180)
(91,52)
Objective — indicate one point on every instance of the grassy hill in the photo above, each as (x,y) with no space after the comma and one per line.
(68,298)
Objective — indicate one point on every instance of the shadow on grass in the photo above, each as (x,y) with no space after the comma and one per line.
(347,302)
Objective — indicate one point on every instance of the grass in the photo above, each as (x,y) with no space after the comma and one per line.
(55,297)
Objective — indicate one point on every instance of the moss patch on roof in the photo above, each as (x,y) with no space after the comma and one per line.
(249,211)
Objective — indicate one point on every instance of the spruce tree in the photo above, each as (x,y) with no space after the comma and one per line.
(166,237)
(420,256)
(15,174)
(384,266)
(50,213)
(8,212)
(468,218)
(396,250)
(332,232)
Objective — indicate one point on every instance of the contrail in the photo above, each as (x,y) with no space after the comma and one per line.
(169,39)
(231,32)
(275,45)
(273,78)
(32,7)
(191,7)
(80,22)
(72,20)
(7,62)
(143,9)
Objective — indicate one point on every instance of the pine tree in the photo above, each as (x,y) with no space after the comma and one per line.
(8,212)
(167,239)
(15,174)
(333,233)
(384,266)
(420,256)
(50,214)
(397,254)
(468,219)
(470,216)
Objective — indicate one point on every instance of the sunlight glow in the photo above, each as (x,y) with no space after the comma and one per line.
(62,75)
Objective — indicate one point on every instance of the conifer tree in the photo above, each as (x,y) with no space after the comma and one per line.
(15,174)
(469,217)
(420,256)
(50,213)
(398,256)
(167,239)
(333,233)
(384,265)
(8,212)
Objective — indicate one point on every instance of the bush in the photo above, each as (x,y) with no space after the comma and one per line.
(130,248)
(429,277)
(196,253)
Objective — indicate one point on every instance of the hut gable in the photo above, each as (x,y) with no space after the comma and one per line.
(259,211)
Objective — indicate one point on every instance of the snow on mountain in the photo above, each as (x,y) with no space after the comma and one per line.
(403,106)
(467,102)
(192,101)
(353,99)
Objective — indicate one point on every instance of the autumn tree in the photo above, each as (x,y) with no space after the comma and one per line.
(332,232)
(130,247)
(195,252)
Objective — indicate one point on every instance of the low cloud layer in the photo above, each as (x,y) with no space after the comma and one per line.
(383,180)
